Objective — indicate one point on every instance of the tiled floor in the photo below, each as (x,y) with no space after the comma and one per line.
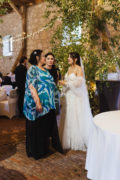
(15,165)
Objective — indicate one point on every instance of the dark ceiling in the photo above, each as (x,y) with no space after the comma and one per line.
(19,3)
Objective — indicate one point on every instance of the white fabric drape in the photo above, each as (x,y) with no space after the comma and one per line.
(103,155)
(76,115)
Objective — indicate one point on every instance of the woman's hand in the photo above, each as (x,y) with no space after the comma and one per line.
(36,98)
(62,82)
(39,107)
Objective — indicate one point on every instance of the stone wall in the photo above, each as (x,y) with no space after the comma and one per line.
(36,22)
(12,26)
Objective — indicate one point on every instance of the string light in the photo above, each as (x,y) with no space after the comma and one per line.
(23,36)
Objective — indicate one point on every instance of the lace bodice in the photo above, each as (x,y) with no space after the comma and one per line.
(73,80)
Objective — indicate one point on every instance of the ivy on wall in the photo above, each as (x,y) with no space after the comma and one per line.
(98,44)
(98,47)
(3,10)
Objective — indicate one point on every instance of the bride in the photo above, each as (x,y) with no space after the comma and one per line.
(76,117)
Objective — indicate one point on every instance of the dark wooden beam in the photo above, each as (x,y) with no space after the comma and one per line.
(24,27)
(23,2)
(17,60)
(38,1)
(23,12)
(15,8)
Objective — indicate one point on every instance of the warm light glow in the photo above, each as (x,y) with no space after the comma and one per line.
(30,4)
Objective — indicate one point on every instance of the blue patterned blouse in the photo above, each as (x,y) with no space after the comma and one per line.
(44,84)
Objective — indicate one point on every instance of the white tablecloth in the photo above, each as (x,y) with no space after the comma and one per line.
(103,155)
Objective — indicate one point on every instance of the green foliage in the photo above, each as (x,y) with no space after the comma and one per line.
(3,10)
(98,47)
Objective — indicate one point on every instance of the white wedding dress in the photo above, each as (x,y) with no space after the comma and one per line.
(76,117)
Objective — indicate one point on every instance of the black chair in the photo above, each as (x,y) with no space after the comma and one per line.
(109,95)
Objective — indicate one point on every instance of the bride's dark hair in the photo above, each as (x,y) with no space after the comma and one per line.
(75,55)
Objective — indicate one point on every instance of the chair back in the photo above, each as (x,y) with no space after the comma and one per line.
(8,88)
(3,95)
(13,93)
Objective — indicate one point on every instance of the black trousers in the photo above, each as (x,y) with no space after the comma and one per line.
(38,133)
(20,101)
(53,131)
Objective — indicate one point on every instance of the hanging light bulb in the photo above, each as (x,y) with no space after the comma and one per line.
(100,2)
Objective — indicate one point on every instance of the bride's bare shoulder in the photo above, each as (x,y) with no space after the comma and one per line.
(78,67)
(79,71)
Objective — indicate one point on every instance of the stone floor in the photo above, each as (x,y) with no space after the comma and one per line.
(15,165)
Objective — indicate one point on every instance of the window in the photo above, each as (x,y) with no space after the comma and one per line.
(69,37)
(7,45)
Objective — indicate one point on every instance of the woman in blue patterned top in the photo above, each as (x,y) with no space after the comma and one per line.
(39,109)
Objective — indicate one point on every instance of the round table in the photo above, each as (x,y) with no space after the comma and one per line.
(103,154)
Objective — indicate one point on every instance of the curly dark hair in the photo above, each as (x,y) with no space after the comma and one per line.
(50,53)
(33,59)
